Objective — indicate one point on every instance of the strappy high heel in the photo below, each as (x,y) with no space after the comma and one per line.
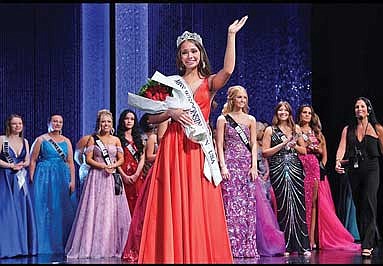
(367,252)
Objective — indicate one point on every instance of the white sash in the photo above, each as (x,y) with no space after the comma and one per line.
(211,167)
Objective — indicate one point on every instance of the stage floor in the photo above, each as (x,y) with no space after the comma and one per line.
(317,257)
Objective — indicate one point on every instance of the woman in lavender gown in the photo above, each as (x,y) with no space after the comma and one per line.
(252,226)
(102,221)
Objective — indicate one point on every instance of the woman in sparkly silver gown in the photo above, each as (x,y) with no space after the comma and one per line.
(287,177)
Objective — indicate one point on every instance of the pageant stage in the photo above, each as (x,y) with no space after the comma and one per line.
(317,257)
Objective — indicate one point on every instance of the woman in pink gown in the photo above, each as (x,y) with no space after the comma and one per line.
(323,225)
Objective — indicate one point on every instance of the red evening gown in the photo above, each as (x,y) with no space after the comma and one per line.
(184,219)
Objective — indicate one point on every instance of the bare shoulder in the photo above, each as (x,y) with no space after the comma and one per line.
(116,140)
(67,140)
(221,118)
(252,118)
(379,129)
(268,130)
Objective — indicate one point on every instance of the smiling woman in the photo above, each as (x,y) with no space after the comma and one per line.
(361,144)
(287,177)
(16,205)
(184,190)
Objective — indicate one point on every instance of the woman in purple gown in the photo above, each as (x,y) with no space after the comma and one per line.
(102,221)
(252,226)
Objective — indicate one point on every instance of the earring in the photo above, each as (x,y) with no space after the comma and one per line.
(203,64)
(112,131)
(99,131)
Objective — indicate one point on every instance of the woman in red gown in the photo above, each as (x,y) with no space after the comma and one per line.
(128,131)
(185,219)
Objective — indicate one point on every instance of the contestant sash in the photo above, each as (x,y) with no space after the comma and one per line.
(132,151)
(57,147)
(211,167)
(22,173)
(239,130)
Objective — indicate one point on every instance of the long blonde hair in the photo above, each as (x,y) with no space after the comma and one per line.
(232,92)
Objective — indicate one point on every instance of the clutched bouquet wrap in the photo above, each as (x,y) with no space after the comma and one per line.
(158,95)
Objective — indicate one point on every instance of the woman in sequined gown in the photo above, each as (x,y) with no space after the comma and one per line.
(129,133)
(102,221)
(287,177)
(323,225)
(241,188)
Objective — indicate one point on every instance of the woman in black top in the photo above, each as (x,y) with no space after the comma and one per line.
(359,151)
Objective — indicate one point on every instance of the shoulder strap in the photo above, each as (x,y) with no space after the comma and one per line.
(239,130)
(57,147)
(104,151)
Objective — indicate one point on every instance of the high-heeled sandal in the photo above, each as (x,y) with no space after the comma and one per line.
(367,253)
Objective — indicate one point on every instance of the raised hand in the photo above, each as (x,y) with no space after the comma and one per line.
(237,25)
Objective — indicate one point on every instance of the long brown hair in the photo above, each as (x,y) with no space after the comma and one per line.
(204,64)
(290,120)
(314,123)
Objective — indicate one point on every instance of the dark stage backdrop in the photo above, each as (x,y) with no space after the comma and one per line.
(347,58)
(40,69)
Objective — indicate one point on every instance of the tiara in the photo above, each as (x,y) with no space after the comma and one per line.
(189,36)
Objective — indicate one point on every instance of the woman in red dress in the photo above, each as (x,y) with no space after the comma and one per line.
(185,219)
(128,131)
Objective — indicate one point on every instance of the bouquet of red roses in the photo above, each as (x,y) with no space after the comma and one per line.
(155,90)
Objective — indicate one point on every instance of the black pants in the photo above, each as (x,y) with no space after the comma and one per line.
(365,183)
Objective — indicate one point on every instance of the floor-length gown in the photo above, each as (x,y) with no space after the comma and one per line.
(240,196)
(54,206)
(132,246)
(102,221)
(345,206)
(185,219)
(130,167)
(287,179)
(332,234)
(17,219)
